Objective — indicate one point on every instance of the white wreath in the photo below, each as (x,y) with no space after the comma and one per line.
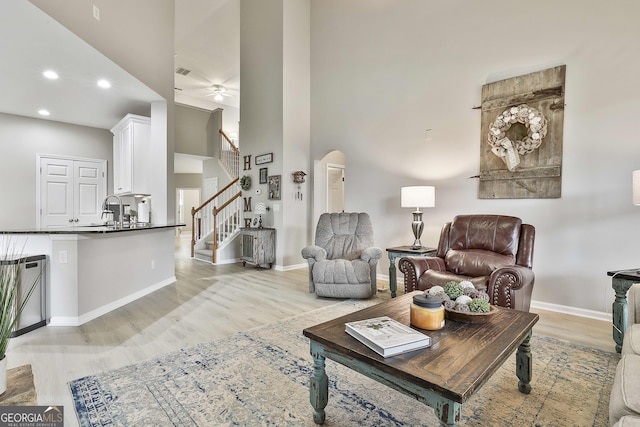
(508,150)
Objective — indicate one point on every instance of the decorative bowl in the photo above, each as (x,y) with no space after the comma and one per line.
(468,317)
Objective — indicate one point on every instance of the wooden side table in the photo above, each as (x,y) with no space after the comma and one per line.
(621,281)
(258,246)
(398,252)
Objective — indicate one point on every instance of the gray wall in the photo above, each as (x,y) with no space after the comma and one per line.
(21,138)
(275,111)
(384,72)
(188,180)
(139,37)
(197,131)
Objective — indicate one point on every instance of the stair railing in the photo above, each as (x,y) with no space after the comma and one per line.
(226,208)
(229,155)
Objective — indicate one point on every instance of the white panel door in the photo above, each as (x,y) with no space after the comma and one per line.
(71,191)
(335,189)
(89,191)
(56,192)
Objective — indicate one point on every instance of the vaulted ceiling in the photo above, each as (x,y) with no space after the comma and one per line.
(207,42)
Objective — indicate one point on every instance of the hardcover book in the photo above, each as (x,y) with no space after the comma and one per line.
(386,336)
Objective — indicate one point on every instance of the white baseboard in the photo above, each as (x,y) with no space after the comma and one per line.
(291,267)
(228,261)
(93,314)
(574,311)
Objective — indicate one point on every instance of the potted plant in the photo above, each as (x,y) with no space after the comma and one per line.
(13,300)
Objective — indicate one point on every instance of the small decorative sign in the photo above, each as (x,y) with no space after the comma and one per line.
(263,175)
(264,158)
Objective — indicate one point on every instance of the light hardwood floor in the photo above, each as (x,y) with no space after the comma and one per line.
(207,302)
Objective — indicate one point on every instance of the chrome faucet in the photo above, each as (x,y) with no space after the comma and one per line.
(105,210)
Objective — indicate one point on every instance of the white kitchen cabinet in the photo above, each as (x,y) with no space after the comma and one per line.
(131,160)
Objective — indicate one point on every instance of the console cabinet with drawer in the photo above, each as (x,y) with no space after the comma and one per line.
(258,246)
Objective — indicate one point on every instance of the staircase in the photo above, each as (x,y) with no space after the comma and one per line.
(217,221)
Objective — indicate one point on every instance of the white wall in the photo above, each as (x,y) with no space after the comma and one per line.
(384,72)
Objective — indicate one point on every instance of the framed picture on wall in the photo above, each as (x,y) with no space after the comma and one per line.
(264,158)
(274,187)
(263,175)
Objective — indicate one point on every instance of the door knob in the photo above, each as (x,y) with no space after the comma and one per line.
(76,220)
(70,219)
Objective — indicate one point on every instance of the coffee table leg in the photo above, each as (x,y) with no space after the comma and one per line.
(448,412)
(319,384)
(524,365)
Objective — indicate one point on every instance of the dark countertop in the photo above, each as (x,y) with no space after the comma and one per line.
(97,229)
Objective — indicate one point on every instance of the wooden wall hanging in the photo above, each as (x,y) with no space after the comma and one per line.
(521,136)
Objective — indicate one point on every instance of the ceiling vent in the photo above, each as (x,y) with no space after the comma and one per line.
(182,71)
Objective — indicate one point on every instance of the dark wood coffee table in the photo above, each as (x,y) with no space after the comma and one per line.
(462,357)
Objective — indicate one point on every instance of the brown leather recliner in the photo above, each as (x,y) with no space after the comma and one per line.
(494,252)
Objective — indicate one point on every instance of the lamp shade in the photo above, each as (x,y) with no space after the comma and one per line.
(418,196)
(636,187)
(260,209)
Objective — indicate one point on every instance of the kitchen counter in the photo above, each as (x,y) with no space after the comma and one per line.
(94,270)
(102,229)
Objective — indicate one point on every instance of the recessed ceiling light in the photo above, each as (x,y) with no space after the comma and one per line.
(50,74)
(43,112)
(104,84)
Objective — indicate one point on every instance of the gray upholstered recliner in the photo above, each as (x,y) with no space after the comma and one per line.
(342,263)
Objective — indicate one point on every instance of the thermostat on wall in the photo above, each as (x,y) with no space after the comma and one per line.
(258,191)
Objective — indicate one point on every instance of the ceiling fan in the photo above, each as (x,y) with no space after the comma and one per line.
(218,92)
(196,85)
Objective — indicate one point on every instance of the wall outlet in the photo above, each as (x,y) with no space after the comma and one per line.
(96,12)
(62,257)
(153,264)
(276,207)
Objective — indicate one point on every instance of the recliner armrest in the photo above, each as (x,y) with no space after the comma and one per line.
(413,267)
(507,282)
(316,252)
(371,254)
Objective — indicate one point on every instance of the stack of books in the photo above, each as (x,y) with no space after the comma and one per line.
(386,336)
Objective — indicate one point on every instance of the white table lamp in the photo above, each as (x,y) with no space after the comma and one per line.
(418,196)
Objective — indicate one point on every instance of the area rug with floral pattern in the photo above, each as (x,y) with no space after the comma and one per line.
(261,378)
